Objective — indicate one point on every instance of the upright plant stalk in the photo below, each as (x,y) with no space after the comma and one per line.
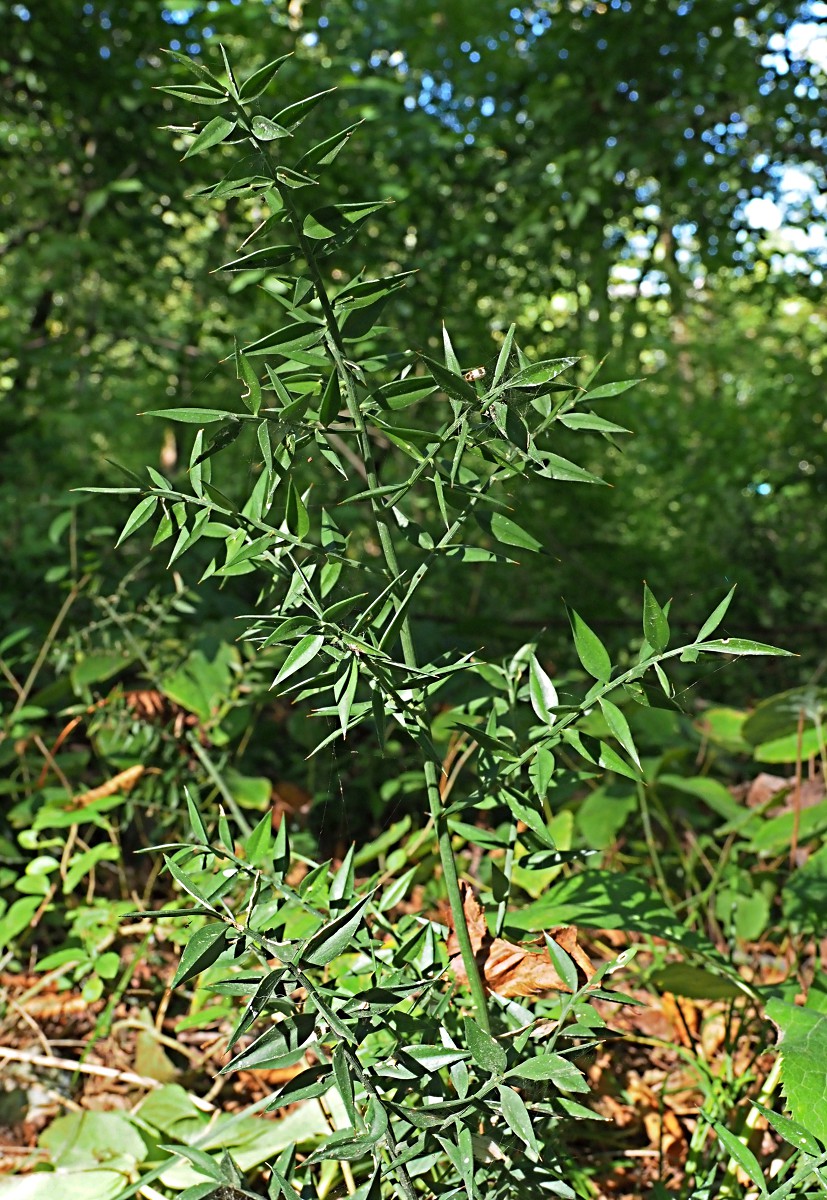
(335,346)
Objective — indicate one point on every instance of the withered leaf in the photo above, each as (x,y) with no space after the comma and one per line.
(509,969)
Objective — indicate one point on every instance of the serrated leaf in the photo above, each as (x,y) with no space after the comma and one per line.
(214,131)
(201,951)
(590,650)
(803,1045)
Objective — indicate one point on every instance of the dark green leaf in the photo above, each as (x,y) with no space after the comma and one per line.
(216,130)
(204,947)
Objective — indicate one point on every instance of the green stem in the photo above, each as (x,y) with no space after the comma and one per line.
(336,350)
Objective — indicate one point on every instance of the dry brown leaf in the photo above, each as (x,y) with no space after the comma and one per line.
(509,969)
(290,799)
(124,781)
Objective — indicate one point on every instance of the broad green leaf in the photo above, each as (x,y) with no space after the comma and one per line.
(204,947)
(590,650)
(213,132)
(335,937)
(140,514)
(561,1071)
(517,1117)
(803,1047)
(433,1058)
(301,654)
(485,1050)
(511,534)
(265,130)
(655,624)
(542,692)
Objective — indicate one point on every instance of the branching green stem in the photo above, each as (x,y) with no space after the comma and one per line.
(336,349)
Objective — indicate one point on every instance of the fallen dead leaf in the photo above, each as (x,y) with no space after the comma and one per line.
(509,969)
(124,781)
